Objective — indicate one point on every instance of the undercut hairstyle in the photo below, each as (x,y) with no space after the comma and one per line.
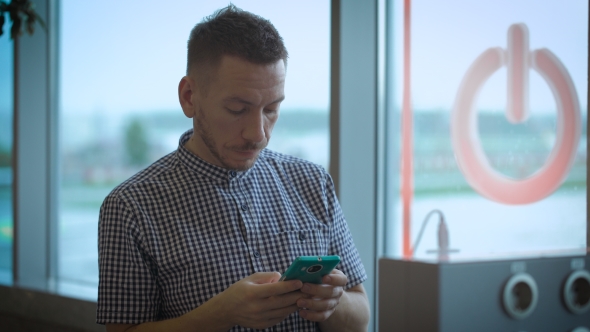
(233,31)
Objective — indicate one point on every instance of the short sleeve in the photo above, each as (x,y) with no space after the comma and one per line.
(341,242)
(127,291)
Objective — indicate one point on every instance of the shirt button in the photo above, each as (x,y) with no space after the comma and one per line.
(256,254)
(232,174)
(244,207)
(302,236)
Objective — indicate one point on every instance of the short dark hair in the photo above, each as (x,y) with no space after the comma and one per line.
(233,31)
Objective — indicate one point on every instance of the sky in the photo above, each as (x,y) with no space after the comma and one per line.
(448,35)
(128,56)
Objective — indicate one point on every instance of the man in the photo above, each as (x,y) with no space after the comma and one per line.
(195,241)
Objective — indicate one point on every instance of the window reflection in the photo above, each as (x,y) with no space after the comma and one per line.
(446,38)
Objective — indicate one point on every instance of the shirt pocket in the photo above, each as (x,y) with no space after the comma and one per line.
(292,244)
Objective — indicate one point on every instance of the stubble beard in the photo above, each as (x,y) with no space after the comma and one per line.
(207,138)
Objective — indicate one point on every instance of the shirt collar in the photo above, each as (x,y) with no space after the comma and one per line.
(202,167)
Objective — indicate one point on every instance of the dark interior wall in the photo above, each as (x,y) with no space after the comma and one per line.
(26,310)
(23,324)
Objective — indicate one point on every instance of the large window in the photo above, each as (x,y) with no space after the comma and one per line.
(446,39)
(120,65)
(6,96)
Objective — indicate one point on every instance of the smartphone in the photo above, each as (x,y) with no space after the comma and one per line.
(310,268)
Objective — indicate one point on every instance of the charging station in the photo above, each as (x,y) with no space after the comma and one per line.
(548,293)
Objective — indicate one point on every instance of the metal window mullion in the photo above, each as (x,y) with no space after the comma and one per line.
(357,106)
(392,143)
(33,190)
(335,93)
(53,155)
(381,144)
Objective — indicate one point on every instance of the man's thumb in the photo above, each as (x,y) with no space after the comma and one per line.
(265,277)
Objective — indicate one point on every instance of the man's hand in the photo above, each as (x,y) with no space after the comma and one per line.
(334,308)
(259,301)
(322,299)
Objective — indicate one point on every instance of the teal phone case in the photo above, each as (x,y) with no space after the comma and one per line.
(310,268)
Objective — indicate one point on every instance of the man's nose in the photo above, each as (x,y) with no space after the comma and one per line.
(254,127)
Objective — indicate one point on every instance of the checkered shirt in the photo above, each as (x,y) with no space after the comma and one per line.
(183,230)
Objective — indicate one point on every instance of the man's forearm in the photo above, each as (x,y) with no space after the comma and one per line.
(258,301)
(203,318)
(351,314)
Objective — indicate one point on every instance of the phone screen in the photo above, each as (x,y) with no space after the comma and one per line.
(310,268)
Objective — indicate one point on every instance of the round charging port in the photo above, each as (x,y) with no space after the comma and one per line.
(576,292)
(520,295)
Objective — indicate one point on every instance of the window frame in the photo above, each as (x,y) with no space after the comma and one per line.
(36,164)
(35,161)
(359,63)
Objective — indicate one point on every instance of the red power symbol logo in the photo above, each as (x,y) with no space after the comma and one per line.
(466,143)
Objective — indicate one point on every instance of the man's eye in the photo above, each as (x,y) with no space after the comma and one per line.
(240,111)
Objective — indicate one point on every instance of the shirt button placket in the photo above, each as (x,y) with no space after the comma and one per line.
(250,228)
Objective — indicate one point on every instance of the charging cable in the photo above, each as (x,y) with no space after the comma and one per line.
(443,235)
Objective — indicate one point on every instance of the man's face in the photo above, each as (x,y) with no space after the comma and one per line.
(234,118)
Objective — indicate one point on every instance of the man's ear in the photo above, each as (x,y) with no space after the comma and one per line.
(187,89)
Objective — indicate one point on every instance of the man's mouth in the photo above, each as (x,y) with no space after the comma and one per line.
(249,153)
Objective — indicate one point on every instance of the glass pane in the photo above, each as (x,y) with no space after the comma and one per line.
(6,112)
(522,204)
(120,109)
